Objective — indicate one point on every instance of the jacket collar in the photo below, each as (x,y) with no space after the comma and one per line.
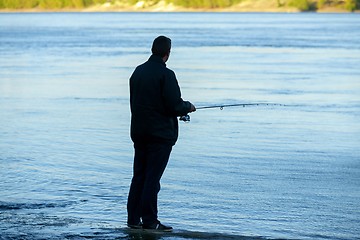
(155,58)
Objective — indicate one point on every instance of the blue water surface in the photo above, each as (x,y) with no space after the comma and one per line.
(289,171)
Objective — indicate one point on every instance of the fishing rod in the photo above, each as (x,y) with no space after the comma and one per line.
(239,105)
(186,118)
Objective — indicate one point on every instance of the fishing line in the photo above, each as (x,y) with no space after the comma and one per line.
(186,118)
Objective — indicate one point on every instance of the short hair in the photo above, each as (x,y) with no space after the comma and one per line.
(161,46)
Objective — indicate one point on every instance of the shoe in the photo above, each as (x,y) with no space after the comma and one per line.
(158,227)
(135,226)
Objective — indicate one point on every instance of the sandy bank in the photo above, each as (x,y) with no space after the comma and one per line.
(162,6)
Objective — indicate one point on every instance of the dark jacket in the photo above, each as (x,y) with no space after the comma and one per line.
(155,102)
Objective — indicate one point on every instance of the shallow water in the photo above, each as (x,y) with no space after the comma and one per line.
(290,172)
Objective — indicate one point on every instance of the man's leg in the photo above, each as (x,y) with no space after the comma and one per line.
(137,185)
(157,159)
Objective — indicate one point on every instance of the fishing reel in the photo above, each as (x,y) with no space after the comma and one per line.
(185,118)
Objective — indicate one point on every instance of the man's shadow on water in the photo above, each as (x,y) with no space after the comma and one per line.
(132,234)
(143,235)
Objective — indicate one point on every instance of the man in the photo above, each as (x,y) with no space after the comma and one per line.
(155,103)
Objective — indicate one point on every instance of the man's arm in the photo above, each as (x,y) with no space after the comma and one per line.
(174,104)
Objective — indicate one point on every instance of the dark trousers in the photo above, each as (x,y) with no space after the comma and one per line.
(150,161)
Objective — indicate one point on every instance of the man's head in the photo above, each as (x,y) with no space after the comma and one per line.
(161,47)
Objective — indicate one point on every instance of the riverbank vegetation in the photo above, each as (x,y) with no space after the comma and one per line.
(183,5)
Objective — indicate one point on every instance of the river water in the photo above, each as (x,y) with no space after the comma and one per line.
(289,171)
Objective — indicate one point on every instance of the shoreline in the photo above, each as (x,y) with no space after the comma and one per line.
(168,8)
(171,11)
